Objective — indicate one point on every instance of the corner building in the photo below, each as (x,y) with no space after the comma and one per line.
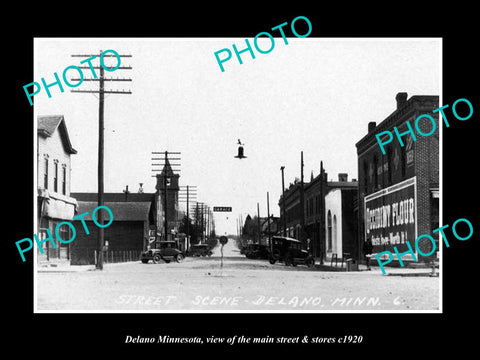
(55,204)
(398,193)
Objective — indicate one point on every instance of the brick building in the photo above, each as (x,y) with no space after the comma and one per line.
(398,197)
(55,204)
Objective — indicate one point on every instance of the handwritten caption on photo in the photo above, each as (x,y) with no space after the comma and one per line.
(256,301)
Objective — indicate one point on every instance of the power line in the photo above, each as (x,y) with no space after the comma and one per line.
(101,91)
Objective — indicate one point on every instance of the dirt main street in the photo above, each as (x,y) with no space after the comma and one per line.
(201,285)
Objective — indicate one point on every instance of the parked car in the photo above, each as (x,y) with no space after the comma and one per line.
(167,252)
(257,251)
(199,250)
(289,251)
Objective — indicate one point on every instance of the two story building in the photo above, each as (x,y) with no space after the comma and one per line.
(399,191)
(53,184)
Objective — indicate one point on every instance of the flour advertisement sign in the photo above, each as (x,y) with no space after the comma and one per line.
(391,214)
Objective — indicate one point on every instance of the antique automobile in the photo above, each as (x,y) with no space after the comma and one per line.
(289,251)
(199,250)
(167,252)
(257,251)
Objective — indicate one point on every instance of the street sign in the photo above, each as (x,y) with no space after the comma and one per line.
(222,208)
(223,240)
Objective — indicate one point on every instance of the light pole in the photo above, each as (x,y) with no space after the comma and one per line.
(268,220)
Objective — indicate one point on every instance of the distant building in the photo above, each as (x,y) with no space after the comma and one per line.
(167,194)
(268,228)
(55,204)
(398,194)
(139,219)
(292,210)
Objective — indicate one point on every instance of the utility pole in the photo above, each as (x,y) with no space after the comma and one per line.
(126,192)
(200,218)
(101,91)
(187,193)
(202,225)
(209,225)
(168,172)
(322,213)
(196,221)
(284,216)
(268,219)
(258,222)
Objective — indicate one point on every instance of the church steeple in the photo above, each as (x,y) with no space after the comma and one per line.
(172,178)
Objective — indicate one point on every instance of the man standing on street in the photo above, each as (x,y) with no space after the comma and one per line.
(367,251)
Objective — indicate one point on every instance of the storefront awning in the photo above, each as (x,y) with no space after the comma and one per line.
(57,206)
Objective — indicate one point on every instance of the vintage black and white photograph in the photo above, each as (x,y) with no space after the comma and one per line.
(270,174)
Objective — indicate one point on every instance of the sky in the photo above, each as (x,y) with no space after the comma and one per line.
(315,95)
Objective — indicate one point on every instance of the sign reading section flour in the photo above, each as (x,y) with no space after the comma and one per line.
(391,214)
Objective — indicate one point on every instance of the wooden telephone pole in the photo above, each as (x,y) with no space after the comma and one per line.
(101,91)
(187,193)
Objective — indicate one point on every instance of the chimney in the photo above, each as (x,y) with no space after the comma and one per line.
(401,99)
(343,177)
(371,126)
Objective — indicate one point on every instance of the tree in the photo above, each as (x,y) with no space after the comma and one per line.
(250,228)
(191,228)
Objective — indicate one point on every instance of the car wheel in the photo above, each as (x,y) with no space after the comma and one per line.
(310,262)
(179,258)
(157,258)
(144,261)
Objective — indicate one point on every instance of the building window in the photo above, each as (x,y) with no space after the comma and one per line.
(65,234)
(45,175)
(375,172)
(55,176)
(403,161)
(389,166)
(64,180)
(365,176)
